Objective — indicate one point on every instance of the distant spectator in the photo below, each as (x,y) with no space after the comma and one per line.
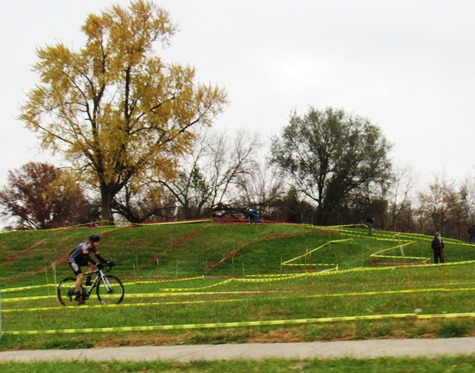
(253,216)
(369,219)
(471,233)
(438,248)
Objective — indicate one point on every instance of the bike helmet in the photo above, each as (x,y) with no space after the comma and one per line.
(94,238)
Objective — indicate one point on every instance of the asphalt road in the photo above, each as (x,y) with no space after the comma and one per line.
(313,350)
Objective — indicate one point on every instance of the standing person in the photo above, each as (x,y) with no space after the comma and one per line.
(79,256)
(471,232)
(438,248)
(369,219)
(253,216)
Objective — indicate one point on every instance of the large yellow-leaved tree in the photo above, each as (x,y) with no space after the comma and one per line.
(114,108)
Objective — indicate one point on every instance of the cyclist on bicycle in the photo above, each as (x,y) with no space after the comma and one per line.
(79,256)
(253,216)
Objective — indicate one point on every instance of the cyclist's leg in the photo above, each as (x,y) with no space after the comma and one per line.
(91,267)
(79,278)
(78,273)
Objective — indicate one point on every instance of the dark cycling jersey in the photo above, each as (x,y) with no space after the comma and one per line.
(80,255)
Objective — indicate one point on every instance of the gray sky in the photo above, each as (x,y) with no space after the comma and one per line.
(406,65)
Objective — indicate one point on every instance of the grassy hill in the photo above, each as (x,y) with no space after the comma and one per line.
(204,282)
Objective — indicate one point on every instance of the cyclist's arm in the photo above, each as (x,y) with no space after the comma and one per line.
(88,259)
(100,258)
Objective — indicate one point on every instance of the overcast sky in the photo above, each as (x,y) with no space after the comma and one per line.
(407,65)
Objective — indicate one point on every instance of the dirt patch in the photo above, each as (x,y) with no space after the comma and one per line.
(277,336)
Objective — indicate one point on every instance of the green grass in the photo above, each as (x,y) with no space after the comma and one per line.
(210,283)
(458,364)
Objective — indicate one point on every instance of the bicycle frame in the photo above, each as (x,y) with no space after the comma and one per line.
(99,277)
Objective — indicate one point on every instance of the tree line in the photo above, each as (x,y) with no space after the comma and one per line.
(224,174)
(135,132)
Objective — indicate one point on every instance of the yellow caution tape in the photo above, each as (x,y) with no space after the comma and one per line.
(309,296)
(199,288)
(210,325)
(11,290)
(242,324)
(143,282)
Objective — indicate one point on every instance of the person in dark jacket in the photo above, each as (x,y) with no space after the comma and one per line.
(438,248)
(471,233)
(253,216)
(369,219)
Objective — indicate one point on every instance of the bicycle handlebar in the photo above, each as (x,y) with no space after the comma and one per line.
(106,267)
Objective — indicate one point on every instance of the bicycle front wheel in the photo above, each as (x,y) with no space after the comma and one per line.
(110,290)
(67,291)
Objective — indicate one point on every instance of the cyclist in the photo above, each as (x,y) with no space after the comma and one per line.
(253,216)
(79,256)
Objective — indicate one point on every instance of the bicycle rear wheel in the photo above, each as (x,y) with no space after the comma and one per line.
(110,291)
(66,291)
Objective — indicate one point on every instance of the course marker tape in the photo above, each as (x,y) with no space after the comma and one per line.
(144,282)
(211,325)
(151,295)
(308,296)
(201,287)
(242,324)
(12,290)
(127,305)
(22,299)
(307,254)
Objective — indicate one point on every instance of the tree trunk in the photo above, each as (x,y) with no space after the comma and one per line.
(106,204)
(323,212)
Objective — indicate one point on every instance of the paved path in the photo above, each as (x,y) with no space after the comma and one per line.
(321,350)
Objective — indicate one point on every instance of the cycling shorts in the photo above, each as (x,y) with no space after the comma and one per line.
(76,268)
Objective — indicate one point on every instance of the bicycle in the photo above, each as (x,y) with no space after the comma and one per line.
(109,289)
